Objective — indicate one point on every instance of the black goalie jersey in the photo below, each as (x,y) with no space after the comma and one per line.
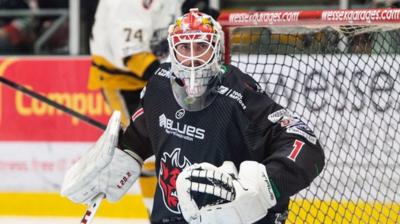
(242,123)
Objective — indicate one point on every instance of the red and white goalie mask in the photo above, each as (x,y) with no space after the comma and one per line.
(195,42)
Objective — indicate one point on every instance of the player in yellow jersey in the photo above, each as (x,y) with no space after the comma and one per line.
(128,41)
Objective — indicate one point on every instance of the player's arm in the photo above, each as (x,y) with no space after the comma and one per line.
(291,152)
(134,139)
(143,64)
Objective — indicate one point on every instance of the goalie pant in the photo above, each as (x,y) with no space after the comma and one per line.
(242,123)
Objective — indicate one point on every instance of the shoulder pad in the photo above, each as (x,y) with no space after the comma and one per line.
(254,86)
(243,79)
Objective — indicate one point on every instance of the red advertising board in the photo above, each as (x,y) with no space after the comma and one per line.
(62,79)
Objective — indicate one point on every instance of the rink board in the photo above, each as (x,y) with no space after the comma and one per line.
(131,207)
(52,204)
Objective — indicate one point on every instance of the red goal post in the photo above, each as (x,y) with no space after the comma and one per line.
(339,71)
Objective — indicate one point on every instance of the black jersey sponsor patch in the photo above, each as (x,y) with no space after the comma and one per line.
(235,95)
(163,73)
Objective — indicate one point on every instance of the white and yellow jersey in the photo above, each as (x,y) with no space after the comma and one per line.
(127,27)
(127,38)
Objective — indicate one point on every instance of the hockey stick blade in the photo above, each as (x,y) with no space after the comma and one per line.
(92,209)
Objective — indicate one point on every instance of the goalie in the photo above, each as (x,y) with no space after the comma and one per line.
(225,152)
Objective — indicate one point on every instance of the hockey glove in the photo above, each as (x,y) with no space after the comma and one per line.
(103,169)
(209,194)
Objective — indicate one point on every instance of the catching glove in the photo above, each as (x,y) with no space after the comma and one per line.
(225,196)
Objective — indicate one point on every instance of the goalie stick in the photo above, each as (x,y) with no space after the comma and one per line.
(92,209)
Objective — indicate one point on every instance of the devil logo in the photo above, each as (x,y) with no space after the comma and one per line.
(170,168)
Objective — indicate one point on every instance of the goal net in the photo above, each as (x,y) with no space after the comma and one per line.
(339,71)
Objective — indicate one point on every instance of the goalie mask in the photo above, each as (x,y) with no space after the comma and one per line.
(196,49)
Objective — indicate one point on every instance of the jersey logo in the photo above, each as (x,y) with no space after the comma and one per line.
(147,3)
(180,113)
(170,168)
(292,124)
(184,131)
(235,95)
(163,73)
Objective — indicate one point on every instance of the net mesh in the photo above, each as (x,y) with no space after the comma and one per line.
(344,82)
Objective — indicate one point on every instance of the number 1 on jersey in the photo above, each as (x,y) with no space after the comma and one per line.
(297,145)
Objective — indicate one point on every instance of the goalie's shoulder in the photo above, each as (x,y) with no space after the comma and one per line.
(236,79)
(161,74)
(159,81)
(238,86)
(163,71)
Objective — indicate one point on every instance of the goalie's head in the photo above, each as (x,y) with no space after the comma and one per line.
(196,48)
